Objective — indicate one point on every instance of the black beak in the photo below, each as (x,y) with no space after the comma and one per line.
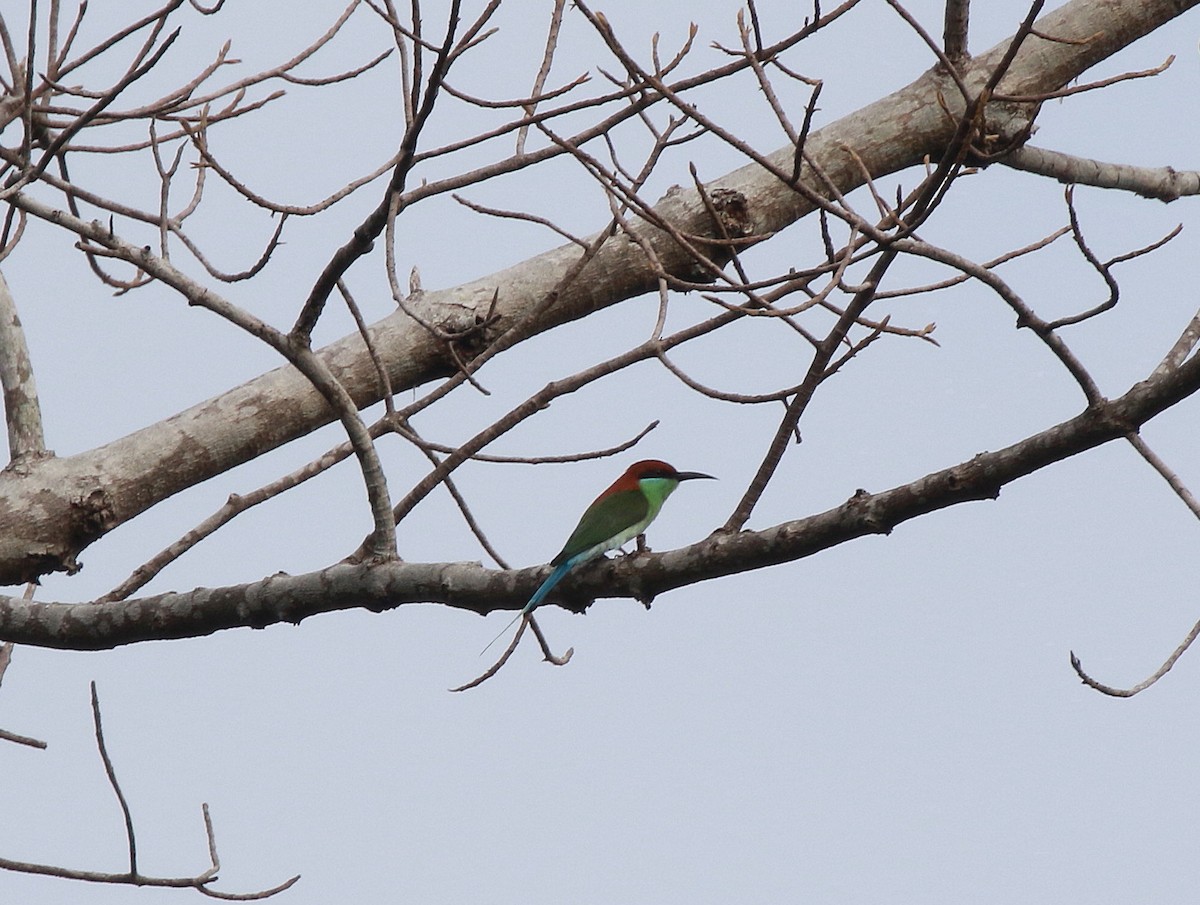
(692,475)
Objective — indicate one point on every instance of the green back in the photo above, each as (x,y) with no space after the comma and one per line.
(606,518)
(617,518)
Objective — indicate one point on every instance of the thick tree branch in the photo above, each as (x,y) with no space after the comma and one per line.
(287,598)
(49,515)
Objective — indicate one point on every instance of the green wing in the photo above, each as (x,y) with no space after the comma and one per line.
(606,518)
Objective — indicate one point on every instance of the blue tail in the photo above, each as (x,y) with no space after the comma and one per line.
(538,596)
(548,585)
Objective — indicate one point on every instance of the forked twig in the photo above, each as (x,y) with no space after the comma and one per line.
(526,620)
(200,882)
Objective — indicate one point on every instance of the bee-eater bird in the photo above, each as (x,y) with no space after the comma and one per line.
(617,516)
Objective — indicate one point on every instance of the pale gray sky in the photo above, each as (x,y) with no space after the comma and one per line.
(894,720)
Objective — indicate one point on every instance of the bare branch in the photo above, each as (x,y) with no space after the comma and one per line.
(520,215)
(370,229)
(132,877)
(627,270)
(1090,86)
(1077,665)
(1164,183)
(817,371)
(543,73)
(252,271)
(954,36)
(382,543)
(536,460)
(287,76)
(284,598)
(7,736)
(1168,474)
(1182,348)
(546,654)
(131,76)
(22,410)
(987,265)
(6,649)
(527,619)
(275,207)
(1026,317)
(155,18)
(461,502)
(495,667)
(955,30)
(1104,268)
(111,772)
(314,369)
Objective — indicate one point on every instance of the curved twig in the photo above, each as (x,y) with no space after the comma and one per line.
(132,877)
(495,667)
(1145,683)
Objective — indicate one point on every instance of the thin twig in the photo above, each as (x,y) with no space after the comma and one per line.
(132,877)
(543,73)
(1145,683)
(7,736)
(1182,348)
(1089,86)
(546,654)
(1168,474)
(495,667)
(111,772)
(1026,317)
